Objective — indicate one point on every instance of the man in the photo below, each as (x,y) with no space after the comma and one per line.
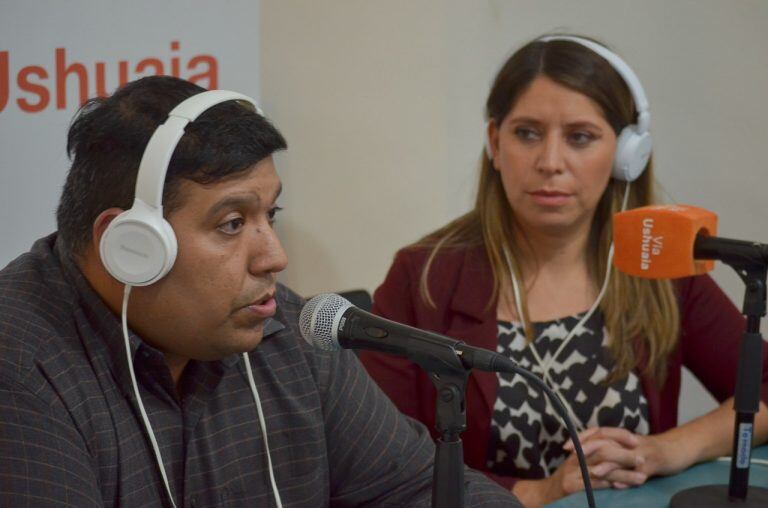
(71,424)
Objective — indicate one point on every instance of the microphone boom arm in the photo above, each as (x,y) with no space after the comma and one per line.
(735,253)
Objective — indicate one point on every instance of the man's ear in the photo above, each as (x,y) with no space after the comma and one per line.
(101,223)
(92,266)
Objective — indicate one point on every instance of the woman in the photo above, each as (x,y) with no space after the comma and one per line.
(528,273)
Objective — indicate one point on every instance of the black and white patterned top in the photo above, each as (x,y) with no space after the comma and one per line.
(527,436)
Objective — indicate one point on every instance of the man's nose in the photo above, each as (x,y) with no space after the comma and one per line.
(268,254)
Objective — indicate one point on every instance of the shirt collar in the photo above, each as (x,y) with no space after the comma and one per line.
(272,325)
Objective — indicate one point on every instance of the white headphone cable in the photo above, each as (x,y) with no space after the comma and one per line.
(546,366)
(263,424)
(516,291)
(532,347)
(600,295)
(148,425)
(144,417)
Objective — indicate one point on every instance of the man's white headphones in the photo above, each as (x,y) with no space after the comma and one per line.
(633,145)
(139,246)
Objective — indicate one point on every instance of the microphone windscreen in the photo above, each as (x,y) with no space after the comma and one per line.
(656,242)
(319,320)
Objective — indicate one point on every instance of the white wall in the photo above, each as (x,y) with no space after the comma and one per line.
(381,103)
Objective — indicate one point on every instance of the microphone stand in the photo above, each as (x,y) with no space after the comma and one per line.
(448,362)
(448,369)
(439,358)
(448,475)
(753,271)
(449,375)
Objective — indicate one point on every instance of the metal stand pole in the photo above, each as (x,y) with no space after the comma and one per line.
(448,479)
(746,404)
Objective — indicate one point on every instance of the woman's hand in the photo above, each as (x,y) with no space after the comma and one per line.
(564,481)
(567,479)
(627,459)
(618,458)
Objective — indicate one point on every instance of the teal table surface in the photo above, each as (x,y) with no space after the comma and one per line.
(657,492)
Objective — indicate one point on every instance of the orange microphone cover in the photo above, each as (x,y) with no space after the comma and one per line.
(656,242)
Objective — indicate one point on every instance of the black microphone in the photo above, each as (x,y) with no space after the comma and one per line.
(672,241)
(330,322)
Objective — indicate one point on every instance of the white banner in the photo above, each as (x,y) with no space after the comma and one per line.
(54,55)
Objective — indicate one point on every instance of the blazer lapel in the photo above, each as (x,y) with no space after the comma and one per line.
(473,320)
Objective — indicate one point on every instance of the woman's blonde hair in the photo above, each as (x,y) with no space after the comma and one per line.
(641,316)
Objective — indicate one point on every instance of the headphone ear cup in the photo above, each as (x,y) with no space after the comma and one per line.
(171,246)
(139,247)
(633,149)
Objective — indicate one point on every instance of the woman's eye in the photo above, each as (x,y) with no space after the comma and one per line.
(231,226)
(581,138)
(272,214)
(526,134)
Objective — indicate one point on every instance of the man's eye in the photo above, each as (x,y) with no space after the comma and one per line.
(272,214)
(231,226)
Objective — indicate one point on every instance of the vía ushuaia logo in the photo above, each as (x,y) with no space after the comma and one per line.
(36,88)
(650,245)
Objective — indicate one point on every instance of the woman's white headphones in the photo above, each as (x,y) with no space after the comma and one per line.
(139,246)
(633,145)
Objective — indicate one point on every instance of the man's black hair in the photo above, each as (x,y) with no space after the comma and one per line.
(107,139)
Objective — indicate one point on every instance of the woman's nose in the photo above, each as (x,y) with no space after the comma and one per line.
(551,158)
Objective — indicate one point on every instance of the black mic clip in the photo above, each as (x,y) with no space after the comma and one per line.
(748,259)
(449,375)
(450,410)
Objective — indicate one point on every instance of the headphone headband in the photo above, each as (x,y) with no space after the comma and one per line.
(626,72)
(157,155)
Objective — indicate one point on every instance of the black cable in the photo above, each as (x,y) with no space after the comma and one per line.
(502,364)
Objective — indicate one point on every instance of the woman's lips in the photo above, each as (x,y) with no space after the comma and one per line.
(550,198)
(264,309)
